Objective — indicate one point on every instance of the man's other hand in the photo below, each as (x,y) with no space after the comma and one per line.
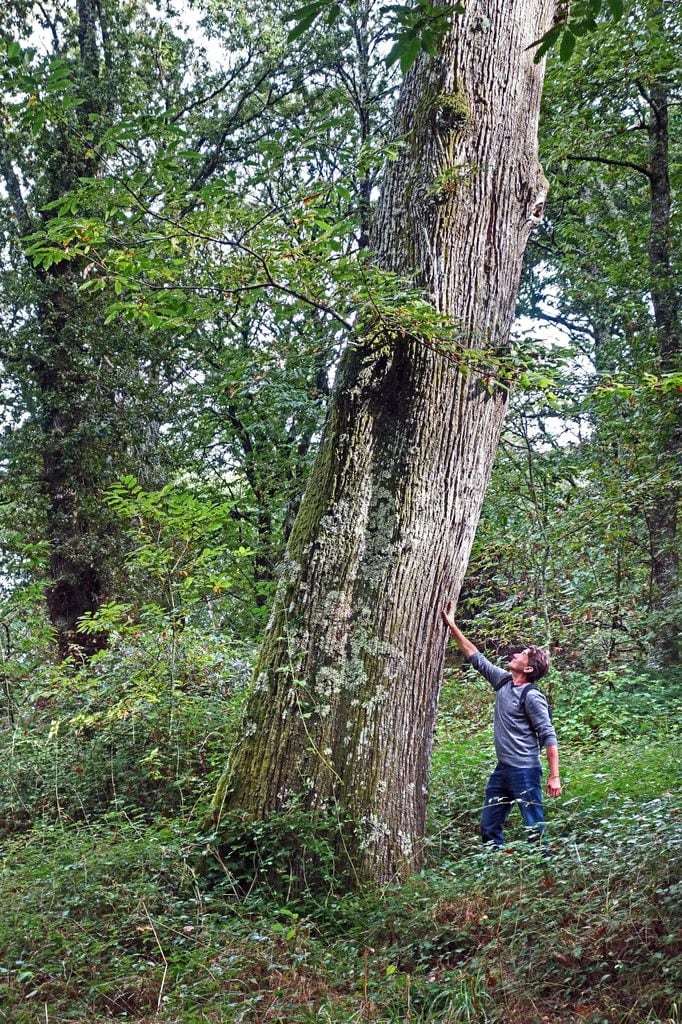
(554,786)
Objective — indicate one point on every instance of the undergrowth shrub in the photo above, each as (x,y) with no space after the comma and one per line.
(609,705)
(110,921)
(118,905)
(294,855)
(146,724)
(616,704)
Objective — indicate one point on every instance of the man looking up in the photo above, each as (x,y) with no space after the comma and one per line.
(519,733)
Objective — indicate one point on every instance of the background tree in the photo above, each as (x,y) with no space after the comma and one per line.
(596,462)
(87,398)
(94,403)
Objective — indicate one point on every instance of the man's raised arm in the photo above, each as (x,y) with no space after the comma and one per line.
(465,646)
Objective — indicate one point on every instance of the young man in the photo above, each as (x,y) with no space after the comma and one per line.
(519,734)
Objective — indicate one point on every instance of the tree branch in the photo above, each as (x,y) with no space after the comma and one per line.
(611,163)
(13,185)
(52,25)
(561,321)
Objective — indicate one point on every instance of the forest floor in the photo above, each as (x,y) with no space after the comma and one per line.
(107,915)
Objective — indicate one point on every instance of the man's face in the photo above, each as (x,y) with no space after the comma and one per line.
(519,662)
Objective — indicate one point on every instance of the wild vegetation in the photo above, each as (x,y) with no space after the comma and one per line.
(189,235)
(118,905)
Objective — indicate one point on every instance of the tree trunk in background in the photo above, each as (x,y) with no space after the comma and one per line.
(665,300)
(54,376)
(75,556)
(345,691)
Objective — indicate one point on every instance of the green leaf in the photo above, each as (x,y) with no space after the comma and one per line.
(305,16)
(545,42)
(14,54)
(302,27)
(393,54)
(405,49)
(409,54)
(617,8)
(430,42)
(567,46)
(302,12)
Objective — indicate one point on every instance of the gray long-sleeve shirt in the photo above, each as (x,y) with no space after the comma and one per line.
(517,741)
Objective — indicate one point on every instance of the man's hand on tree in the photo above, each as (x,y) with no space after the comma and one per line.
(465,646)
(448,614)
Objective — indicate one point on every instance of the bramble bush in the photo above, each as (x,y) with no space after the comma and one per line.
(110,921)
(143,725)
(118,905)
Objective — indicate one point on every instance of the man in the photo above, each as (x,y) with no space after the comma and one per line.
(519,734)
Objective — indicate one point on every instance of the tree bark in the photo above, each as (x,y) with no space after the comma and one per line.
(344,698)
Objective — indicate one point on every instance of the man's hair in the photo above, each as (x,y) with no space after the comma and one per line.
(538,660)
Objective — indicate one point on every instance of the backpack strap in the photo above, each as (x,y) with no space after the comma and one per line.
(522,698)
(522,705)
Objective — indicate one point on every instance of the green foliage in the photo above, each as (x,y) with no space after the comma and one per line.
(112,875)
(617,704)
(293,856)
(143,725)
(415,28)
(579,19)
(562,553)
(420,26)
(589,935)
(124,221)
(188,553)
(572,558)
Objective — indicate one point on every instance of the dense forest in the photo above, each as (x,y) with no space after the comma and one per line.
(313,319)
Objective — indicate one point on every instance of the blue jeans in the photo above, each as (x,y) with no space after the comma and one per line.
(506,787)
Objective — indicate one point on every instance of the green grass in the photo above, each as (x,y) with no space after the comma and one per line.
(106,918)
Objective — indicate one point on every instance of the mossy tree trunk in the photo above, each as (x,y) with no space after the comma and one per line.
(50,366)
(665,496)
(344,699)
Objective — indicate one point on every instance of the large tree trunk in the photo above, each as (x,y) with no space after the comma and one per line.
(345,691)
(76,552)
